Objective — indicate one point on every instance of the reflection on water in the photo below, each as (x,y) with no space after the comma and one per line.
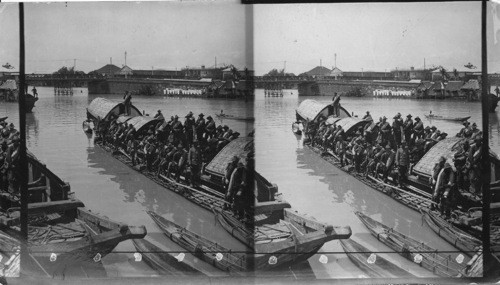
(315,187)
(109,187)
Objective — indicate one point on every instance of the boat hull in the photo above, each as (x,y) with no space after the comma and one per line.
(374,265)
(415,251)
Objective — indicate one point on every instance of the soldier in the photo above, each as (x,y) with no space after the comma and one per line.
(200,126)
(189,125)
(407,128)
(194,161)
(418,129)
(403,163)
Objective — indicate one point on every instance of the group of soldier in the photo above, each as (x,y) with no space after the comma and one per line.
(382,150)
(9,157)
(173,149)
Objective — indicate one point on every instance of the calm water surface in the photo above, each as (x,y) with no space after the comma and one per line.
(108,187)
(311,185)
(317,188)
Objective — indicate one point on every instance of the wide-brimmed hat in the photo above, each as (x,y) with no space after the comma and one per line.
(201,115)
(433,128)
(473,124)
(176,117)
(408,116)
(466,123)
(427,128)
(209,117)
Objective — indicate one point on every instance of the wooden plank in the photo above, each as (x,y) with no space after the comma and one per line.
(54,206)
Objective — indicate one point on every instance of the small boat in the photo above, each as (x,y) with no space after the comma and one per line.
(431,259)
(237,118)
(279,236)
(374,265)
(30,102)
(161,261)
(61,231)
(455,236)
(297,128)
(206,250)
(443,118)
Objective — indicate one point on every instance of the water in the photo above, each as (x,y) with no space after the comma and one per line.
(317,188)
(108,187)
(311,185)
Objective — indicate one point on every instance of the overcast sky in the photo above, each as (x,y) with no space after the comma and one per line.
(368,36)
(158,34)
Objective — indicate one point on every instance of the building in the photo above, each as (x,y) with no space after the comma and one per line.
(202,72)
(108,70)
(128,72)
(412,73)
(367,75)
(319,71)
(227,73)
(336,73)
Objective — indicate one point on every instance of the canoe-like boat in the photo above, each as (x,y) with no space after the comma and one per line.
(61,231)
(282,236)
(374,265)
(206,250)
(439,263)
(232,117)
(163,262)
(455,236)
(30,102)
(444,118)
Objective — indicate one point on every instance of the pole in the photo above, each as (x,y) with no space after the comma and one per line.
(74,64)
(125,58)
(215,62)
(335,60)
(23,164)
(485,159)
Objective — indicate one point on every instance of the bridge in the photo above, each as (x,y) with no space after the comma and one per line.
(66,80)
(281,82)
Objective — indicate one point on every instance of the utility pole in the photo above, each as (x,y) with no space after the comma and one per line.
(125,57)
(335,60)
(215,62)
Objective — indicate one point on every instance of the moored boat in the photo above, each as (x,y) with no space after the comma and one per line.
(439,263)
(462,240)
(374,265)
(284,236)
(206,250)
(232,117)
(444,118)
(165,263)
(62,232)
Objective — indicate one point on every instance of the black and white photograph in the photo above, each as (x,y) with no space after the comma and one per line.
(228,141)
(368,118)
(139,137)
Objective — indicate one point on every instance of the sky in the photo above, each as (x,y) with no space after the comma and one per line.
(166,35)
(155,35)
(367,36)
